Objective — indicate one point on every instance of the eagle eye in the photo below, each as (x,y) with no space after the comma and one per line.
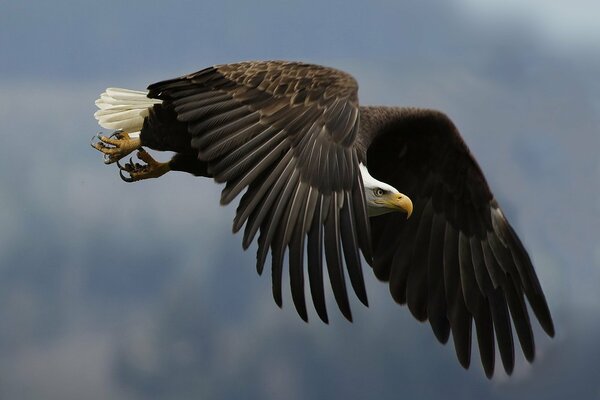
(378,192)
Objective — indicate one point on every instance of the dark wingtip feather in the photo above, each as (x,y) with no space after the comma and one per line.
(333,256)
(261,253)
(347,313)
(299,303)
(529,280)
(437,309)
(461,325)
(315,262)
(277,298)
(550,329)
(509,368)
(302,313)
(503,329)
(364,300)
(489,371)
(543,314)
(441,330)
(296,261)
(276,273)
(464,360)
(485,338)
(320,308)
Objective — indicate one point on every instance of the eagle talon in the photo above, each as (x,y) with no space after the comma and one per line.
(121,167)
(127,168)
(137,171)
(93,140)
(116,146)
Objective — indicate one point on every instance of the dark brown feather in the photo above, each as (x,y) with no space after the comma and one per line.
(485,271)
(334,258)
(276,129)
(416,285)
(437,310)
(315,261)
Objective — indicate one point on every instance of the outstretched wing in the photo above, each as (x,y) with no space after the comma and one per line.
(457,259)
(284,132)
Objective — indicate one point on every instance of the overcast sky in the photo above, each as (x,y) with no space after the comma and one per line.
(110,290)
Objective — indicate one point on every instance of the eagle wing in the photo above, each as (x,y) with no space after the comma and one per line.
(284,132)
(457,259)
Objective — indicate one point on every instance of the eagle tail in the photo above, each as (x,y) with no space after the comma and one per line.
(123,109)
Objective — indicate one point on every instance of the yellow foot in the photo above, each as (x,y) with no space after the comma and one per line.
(117,146)
(137,172)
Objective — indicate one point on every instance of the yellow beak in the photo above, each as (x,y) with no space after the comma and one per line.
(399,202)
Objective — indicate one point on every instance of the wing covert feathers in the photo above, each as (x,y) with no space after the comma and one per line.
(283,134)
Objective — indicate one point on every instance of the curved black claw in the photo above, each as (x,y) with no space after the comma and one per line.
(118,134)
(97,142)
(127,169)
(94,137)
(127,179)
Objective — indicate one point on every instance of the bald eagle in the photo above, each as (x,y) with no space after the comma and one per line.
(321,179)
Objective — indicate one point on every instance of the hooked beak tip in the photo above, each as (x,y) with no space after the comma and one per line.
(405,204)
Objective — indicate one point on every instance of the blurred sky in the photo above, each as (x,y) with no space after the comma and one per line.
(111,290)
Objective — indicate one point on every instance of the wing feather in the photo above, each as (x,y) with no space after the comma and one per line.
(437,310)
(333,257)
(460,319)
(458,260)
(284,133)
(276,243)
(253,198)
(416,284)
(351,250)
(315,260)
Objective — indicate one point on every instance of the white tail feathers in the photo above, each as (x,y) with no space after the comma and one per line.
(123,109)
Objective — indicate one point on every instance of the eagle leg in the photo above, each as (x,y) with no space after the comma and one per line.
(117,146)
(132,172)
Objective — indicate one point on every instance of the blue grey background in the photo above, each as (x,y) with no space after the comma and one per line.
(111,290)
